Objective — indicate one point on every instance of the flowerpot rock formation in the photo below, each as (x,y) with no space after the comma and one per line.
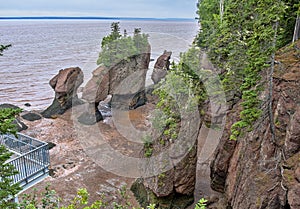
(65,85)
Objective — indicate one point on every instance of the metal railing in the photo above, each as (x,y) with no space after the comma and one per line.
(32,161)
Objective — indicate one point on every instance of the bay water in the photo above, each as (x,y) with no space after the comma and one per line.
(40,48)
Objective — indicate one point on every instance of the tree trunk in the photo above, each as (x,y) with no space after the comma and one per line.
(221,9)
(297,29)
(271,116)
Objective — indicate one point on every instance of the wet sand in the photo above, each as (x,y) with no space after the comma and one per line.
(73,166)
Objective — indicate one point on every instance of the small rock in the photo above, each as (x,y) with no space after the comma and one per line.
(6,105)
(20,125)
(51,145)
(27,105)
(69,165)
(31,116)
(90,119)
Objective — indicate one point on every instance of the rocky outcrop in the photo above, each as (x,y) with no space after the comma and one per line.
(173,186)
(95,91)
(125,81)
(161,67)
(261,168)
(6,105)
(65,85)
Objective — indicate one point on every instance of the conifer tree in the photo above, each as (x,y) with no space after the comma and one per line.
(3,47)
(7,189)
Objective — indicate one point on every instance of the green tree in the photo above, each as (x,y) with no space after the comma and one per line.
(116,47)
(243,45)
(114,35)
(201,204)
(3,47)
(7,189)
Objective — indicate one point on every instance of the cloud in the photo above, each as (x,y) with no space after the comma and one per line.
(121,8)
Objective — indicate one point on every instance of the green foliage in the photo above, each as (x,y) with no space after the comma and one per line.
(114,35)
(181,91)
(116,47)
(7,188)
(81,201)
(7,116)
(49,200)
(242,44)
(3,47)
(148,146)
(201,204)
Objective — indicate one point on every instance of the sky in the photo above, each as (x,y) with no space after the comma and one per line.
(107,8)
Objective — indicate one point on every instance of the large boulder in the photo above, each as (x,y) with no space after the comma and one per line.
(161,67)
(65,85)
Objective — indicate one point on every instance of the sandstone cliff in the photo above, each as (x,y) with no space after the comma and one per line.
(261,169)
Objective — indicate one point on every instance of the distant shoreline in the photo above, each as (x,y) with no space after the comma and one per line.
(96,18)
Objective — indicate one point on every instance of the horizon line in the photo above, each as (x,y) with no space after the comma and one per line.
(91,18)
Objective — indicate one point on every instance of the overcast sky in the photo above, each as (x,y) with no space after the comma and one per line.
(111,8)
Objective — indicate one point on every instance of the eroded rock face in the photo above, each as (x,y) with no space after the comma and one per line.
(174,187)
(97,88)
(125,81)
(292,142)
(128,77)
(293,197)
(65,85)
(257,171)
(161,67)
(95,91)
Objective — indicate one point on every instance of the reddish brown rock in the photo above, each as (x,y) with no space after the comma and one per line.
(129,77)
(97,88)
(292,142)
(125,81)
(161,67)
(294,197)
(297,174)
(259,170)
(66,81)
(95,91)
(65,85)
(173,187)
